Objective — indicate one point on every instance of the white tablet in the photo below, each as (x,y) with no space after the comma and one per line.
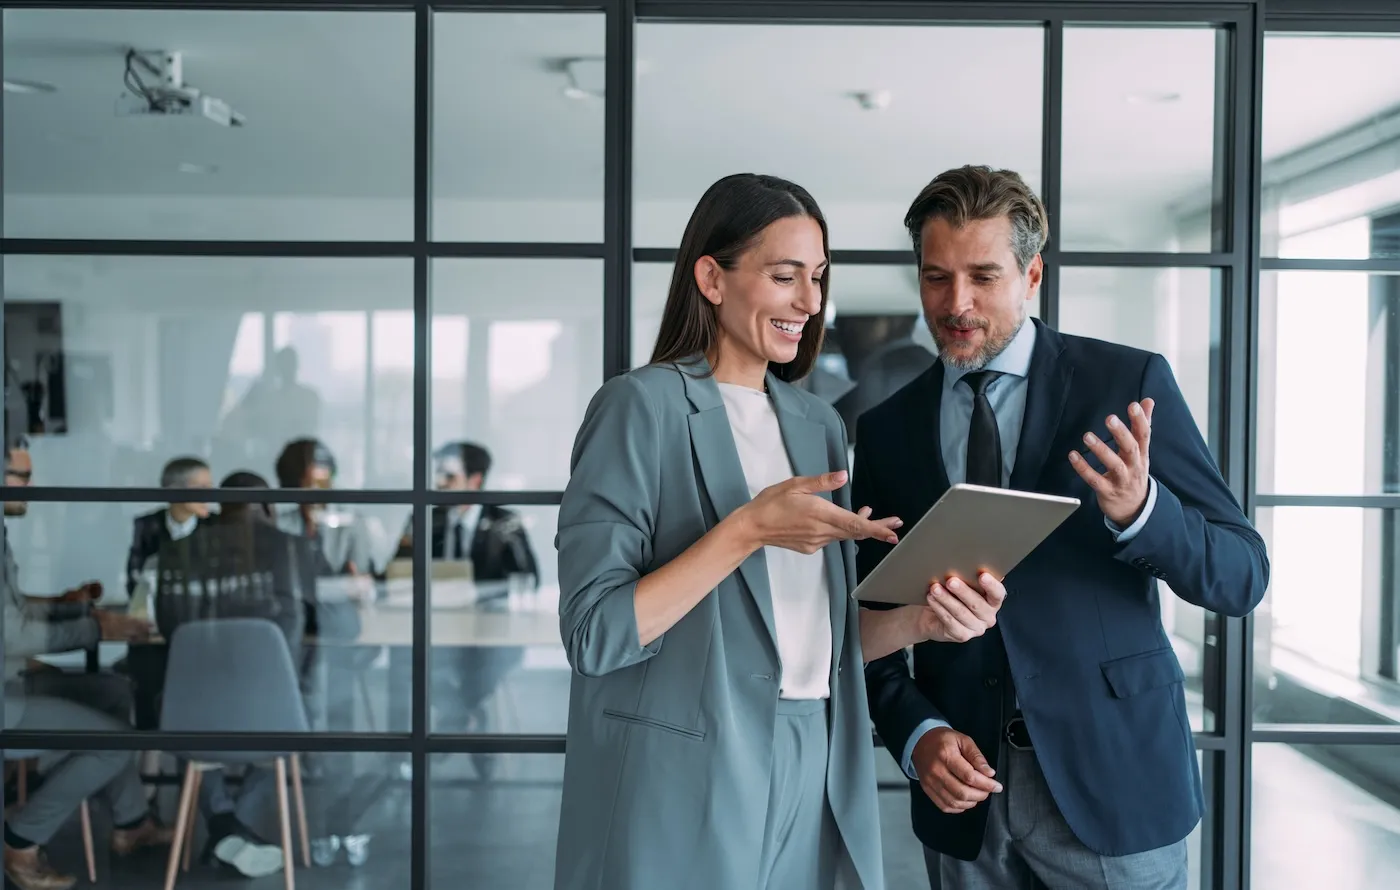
(972,529)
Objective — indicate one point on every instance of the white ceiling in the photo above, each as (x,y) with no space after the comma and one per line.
(328,97)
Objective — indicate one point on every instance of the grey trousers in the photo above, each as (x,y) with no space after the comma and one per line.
(1029,846)
(801,845)
(252,801)
(73,776)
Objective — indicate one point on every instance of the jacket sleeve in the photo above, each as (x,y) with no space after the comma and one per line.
(31,628)
(897,707)
(1197,538)
(607,518)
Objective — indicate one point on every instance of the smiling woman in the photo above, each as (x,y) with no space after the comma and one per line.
(773,236)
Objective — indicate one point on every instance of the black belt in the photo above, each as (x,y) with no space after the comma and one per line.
(1017,735)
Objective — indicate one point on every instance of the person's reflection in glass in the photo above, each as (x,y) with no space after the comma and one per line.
(332,665)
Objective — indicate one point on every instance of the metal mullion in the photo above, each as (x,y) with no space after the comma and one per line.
(79,495)
(154,247)
(957,12)
(1290,264)
(134,740)
(186,248)
(422,407)
(1314,734)
(619,78)
(1245,186)
(533,250)
(1360,501)
(1218,260)
(1051,158)
(1332,15)
(315,5)
(497,498)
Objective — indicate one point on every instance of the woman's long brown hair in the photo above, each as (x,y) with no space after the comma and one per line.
(729,219)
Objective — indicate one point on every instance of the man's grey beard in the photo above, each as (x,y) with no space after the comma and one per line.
(990,350)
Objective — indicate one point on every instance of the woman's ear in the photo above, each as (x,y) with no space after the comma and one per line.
(708,276)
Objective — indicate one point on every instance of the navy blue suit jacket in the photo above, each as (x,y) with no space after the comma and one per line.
(1080,633)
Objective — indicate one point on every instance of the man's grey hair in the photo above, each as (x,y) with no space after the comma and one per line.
(973,193)
(178,472)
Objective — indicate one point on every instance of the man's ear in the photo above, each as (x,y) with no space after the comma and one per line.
(1035,274)
(708,276)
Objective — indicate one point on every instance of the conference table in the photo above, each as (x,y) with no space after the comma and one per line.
(461,614)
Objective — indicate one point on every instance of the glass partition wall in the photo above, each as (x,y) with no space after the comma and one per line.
(421,235)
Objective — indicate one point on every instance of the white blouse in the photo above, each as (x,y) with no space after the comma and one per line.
(801,595)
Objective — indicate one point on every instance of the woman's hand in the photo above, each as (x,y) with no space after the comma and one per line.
(956,612)
(791,515)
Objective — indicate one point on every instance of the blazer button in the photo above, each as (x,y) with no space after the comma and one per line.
(840,668)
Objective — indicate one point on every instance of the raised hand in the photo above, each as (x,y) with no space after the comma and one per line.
(1122,485)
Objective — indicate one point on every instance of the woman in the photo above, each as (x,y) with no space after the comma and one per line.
(716,737)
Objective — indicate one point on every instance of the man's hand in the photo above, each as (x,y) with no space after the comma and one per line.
(121,627)
(83,593)
(1122,486)
(957,612)
(952,772)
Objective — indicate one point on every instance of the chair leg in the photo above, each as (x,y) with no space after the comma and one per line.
(183,815)
(194,809)
(299,800)
(86,814)
(285,818)
(22,783)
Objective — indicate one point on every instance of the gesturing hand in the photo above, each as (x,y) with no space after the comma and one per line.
(121,627)
(952,772)
(957,612)
(791,515)
(1122,486)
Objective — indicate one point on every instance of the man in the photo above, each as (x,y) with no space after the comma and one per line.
(495,542)
(1054,750)
(36,626)
(170,524)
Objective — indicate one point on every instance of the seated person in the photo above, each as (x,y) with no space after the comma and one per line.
(494,540)
(169,524)
(33,627)
(245,567)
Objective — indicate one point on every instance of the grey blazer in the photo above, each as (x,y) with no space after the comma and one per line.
(670,745)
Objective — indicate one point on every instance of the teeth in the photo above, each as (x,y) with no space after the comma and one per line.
(788,327)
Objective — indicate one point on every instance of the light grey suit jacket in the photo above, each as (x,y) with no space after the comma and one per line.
(670,745)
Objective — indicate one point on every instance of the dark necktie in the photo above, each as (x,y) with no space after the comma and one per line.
(983,437)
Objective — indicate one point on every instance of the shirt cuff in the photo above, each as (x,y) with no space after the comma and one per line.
(906,763)
(1124,535)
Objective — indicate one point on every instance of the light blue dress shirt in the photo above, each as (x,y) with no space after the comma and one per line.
(1008,397)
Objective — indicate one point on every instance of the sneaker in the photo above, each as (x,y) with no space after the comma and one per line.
(356,849)
(324,850)
(249,855)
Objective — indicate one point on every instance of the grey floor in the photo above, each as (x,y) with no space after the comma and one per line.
(1312,828)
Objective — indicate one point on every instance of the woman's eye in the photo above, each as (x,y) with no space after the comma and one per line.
(783,279)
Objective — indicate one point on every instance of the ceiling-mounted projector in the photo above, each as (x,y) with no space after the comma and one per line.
(155,85)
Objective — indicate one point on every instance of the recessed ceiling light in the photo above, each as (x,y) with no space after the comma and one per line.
(873,100)
(28,86)
(1152,97)
(188,167)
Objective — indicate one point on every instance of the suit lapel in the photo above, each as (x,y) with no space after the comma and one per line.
(1047,391)
(805,442)
(721,474)
(925,423)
